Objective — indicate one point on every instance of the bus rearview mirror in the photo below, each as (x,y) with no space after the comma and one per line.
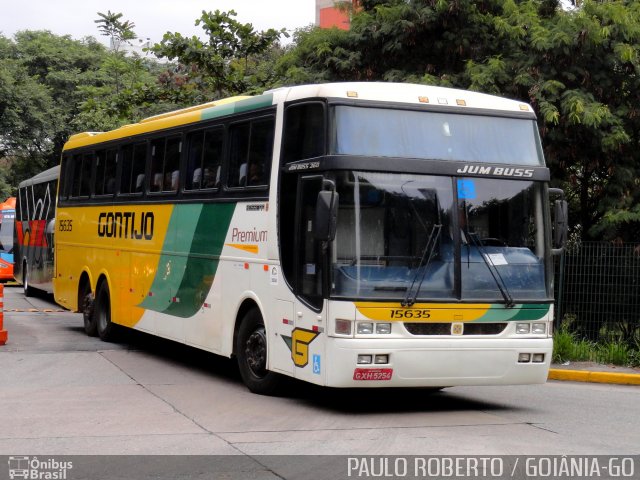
(326,217)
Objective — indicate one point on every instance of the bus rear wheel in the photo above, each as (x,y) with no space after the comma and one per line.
(28,290)
(102,313)
(251,352)
(87,307)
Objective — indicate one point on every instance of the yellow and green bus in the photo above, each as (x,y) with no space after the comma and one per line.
(348,235)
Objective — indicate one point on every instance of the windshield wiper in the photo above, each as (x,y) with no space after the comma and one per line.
(493,270)
(427,256)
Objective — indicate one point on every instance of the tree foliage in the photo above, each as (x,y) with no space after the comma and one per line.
(578,68)
(228,61)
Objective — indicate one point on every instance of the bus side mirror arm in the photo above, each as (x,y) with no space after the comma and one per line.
(560,222)
(326,216)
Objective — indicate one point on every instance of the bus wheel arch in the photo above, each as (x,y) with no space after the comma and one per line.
(86,303)
(251,347)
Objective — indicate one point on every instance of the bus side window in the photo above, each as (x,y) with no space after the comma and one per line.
(125,171)
(212,159)
(194,161)
(98,183)
(260,151)
(110,171)
(139,167)
(85,180)
(250,153)
(157,163)
(105,179)
(239,137)
(172,164)
(304,132)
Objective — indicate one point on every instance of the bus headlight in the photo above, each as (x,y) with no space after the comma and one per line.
(383,328)
(539,328)
(381,359)
(524,358)
(365,328)
(523,328)
(364,359)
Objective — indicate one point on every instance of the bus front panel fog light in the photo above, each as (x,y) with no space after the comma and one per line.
(364,359)
(524,358)
(538,358)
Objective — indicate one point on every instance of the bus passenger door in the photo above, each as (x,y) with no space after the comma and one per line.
(307,337)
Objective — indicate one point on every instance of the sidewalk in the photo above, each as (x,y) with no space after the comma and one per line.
(595,373)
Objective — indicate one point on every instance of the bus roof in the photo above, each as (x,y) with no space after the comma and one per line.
(42,177)
(399,93)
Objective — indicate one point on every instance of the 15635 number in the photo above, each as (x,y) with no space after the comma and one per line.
(416,313)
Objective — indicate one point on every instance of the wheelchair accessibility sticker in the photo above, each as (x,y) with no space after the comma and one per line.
(316,364)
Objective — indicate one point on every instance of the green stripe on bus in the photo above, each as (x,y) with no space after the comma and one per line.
(246,105)
(526,311)
(192,249)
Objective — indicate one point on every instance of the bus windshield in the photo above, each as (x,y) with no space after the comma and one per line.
(400,236)
(378,132)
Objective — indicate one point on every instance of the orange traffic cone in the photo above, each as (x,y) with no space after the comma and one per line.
(3,333)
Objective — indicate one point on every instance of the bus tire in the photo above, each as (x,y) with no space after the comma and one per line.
(102,313)
(87,306)
(251,353)
(27,288)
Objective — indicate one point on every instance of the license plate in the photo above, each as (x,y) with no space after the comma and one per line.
(372,373)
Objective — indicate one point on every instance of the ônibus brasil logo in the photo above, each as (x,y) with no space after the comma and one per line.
(36,469)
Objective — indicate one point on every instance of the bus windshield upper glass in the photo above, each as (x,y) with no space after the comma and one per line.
(399,237)
(379,132)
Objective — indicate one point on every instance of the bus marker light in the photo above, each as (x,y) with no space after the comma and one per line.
(523,328)
(381,359)
(175,300)
(538,358)
(462,103)
(365,328)
(443,101)
(364,359)
(206,305)
(343,327)
(265,268)
(540,328)
(524,358)
(246,266)
(352,94)
(423,99)
(150,294)
(316,328)
(524,108)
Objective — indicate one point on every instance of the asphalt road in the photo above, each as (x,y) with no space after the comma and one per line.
(63,393)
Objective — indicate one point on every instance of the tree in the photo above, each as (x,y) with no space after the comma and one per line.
(39,78)
(223,62)
(578,68)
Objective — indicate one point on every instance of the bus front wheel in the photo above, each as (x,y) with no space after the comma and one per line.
(102,313)
(251,351)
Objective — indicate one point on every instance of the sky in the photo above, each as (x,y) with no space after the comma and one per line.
(152,18)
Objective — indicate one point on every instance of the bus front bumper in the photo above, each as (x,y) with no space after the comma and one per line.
(438,362)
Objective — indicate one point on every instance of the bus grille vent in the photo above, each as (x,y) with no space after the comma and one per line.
(445,328)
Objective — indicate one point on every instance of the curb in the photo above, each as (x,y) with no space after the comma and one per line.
(594,377)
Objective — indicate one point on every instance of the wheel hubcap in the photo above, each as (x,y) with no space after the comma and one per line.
(256,352)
